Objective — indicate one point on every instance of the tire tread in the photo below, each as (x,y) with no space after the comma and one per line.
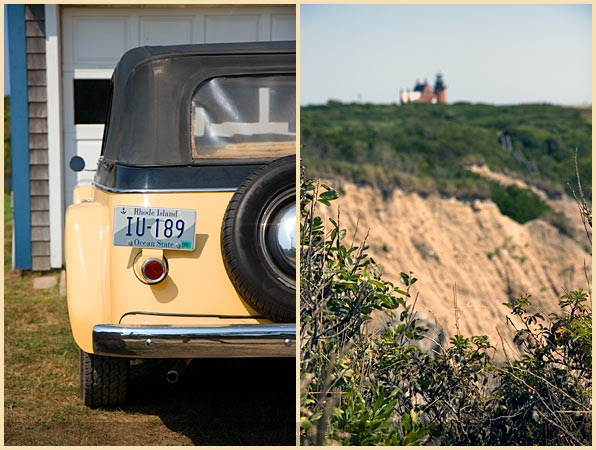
(103,379)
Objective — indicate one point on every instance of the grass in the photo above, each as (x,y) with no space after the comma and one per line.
(216,402)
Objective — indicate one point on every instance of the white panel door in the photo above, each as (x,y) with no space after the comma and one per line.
(231,28)
(283,27)
(94,39)
(98,38)
(166,30)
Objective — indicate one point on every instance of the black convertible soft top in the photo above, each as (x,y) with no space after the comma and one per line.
(149,119)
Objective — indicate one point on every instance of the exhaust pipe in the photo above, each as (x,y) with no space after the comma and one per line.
(179,367)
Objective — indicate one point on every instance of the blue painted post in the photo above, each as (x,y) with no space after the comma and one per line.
(19,126)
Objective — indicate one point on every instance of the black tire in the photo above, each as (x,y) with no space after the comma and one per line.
(103,380)
(243,258)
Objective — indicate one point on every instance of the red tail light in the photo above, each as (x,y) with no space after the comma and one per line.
(154,270)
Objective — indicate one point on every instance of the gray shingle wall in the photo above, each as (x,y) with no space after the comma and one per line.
(38,136)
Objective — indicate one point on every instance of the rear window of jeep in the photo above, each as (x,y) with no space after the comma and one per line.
(244,117)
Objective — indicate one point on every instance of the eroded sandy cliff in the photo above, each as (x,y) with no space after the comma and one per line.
(468,246)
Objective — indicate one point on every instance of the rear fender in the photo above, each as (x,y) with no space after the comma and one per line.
(86,243)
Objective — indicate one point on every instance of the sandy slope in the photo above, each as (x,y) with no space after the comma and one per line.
(446,243)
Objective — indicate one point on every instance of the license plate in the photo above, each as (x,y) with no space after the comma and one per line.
(154,227)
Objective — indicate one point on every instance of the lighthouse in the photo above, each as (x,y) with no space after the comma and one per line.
(440,89)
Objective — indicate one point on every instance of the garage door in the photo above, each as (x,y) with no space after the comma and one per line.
(94,39)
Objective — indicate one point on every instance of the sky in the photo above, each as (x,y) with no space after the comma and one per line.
(487,53)
(500,54)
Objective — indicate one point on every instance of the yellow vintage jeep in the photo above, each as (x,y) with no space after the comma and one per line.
(185,244)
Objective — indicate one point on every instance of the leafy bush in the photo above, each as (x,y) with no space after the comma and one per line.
(522,205)
(361,388)
(548,391)
(340,287)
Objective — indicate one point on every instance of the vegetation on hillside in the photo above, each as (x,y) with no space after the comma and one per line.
(427,148)
(358,388)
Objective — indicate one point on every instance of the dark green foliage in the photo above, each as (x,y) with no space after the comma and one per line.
(522,205)
(425,147)
(340,287)
(360,388)
(550,387)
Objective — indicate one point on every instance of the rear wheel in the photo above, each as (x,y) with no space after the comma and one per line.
(258,240)
(103,380)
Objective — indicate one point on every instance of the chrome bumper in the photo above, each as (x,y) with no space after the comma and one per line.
(163,341)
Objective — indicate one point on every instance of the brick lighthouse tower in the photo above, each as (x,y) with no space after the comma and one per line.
(440,89)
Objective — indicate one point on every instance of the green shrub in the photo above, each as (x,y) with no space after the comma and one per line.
(340,287)
(522,205)
(545,397)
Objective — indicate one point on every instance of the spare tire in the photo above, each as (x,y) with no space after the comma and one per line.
(258,240)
